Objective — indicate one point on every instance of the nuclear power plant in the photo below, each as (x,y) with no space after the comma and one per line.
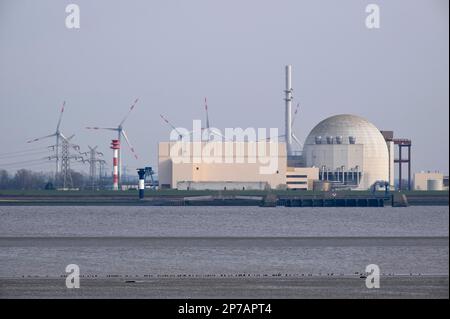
(348,150)
(343,151)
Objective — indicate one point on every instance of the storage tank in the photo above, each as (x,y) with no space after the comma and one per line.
(435,185)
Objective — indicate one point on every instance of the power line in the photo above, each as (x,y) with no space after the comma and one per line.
(26,154)
(22,162)
(23,151)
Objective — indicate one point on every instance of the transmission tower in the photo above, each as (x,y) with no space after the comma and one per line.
(60,137)
(66,157)
(93,162)
(101,172)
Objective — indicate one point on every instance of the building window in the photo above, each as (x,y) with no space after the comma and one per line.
(296,183)
(297,176)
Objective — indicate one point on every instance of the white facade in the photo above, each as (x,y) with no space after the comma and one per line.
(351,131)
(334,156)
(233,164)
(301,178)
(189,185)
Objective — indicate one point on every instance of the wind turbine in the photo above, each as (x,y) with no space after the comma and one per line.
(207,118)
(120,132)
(296,140)
(292,124)
(203,130)
(180,135)
(59,135)
(208,128)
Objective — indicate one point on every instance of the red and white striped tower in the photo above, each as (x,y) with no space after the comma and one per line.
(115,146)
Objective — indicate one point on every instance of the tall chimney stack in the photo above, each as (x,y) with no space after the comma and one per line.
(288,111)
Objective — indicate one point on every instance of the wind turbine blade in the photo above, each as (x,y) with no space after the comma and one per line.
(296,140)
(60,116)
(268,138)
(217,132)
(131,109)
(295,113)
(207,117)
(129,144)
(102,128)
(170,124)
(41,138)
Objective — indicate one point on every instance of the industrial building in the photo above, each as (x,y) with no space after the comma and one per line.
(341,152)
(349,150)
(301,178)
(232,170)
(428,181)
(233,166)
(400,143)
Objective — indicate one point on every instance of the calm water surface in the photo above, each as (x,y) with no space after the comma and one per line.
(41,241)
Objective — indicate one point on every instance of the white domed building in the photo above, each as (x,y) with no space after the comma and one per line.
(349,151)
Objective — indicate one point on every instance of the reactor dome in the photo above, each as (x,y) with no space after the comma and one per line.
(361,147)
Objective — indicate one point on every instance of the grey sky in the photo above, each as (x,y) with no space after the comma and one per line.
(171,54)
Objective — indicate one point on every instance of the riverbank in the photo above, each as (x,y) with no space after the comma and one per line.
(236,288)
(223,198)
(162,252)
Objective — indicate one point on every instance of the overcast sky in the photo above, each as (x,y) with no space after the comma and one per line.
(173,53)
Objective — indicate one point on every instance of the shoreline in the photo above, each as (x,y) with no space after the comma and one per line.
(426,286)
(271,198)
(296,199)
(7,203)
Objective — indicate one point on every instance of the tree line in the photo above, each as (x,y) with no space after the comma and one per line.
(25,179)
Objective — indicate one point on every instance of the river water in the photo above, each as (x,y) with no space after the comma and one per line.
(157,241)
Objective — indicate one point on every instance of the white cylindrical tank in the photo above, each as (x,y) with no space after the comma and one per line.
(434,184)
